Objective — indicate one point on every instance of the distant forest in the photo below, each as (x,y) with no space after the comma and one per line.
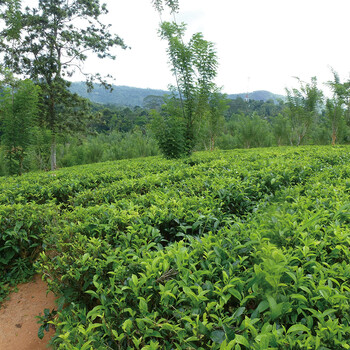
(122,124)
(132,96)
(48,122)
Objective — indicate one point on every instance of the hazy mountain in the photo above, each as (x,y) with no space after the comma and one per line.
(260,95)
(121,95)
(131,96)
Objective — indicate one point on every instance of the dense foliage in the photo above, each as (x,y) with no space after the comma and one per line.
(246,249)
(133,96)
(120,95)
(118,132)
(19,105)
(194,66)
(45,42)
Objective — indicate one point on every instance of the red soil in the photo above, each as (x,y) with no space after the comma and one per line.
(18,324)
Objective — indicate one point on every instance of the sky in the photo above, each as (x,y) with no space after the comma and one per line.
(261,44)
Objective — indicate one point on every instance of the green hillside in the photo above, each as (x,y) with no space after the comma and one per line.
(121,95)
(260,95)
(246,249)
(131,96)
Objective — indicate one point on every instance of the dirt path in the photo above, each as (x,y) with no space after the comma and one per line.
(18,325)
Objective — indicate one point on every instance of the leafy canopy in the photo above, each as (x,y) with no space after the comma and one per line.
(53,39)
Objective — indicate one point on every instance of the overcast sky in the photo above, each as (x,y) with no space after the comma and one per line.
(261,44)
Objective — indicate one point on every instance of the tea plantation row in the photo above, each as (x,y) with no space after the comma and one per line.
(244,249)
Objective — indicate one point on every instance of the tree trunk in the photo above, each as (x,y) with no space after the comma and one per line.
(212,143)
(53,153)
(334,137)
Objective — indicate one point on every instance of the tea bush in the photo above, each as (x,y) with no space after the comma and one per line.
(245,249)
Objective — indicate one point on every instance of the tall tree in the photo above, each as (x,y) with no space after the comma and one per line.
(302,108)
(55,40)
(338,107)
(194,64)
(335,115)
(218,105)
(11,16)
(19,110)
(253,131)
(18,98)
(281,129)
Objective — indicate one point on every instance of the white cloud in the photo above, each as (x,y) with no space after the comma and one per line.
(269,41)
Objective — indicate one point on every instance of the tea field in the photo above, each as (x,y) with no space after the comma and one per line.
(244,249)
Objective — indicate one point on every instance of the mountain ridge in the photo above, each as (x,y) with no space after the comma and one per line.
(259,95)
(133,96)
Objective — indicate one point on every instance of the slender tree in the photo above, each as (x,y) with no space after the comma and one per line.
(218,104)
(11,18)
(56,38)
(253,131)
(194,64)
(281,129)
(18,98)
(302,108)
(19,110)
(338,107)
(335,114)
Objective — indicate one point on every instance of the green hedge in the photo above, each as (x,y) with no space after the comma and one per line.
(244,249)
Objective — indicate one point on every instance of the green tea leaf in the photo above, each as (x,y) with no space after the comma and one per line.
(239,339)
(217,336)
(298,328)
